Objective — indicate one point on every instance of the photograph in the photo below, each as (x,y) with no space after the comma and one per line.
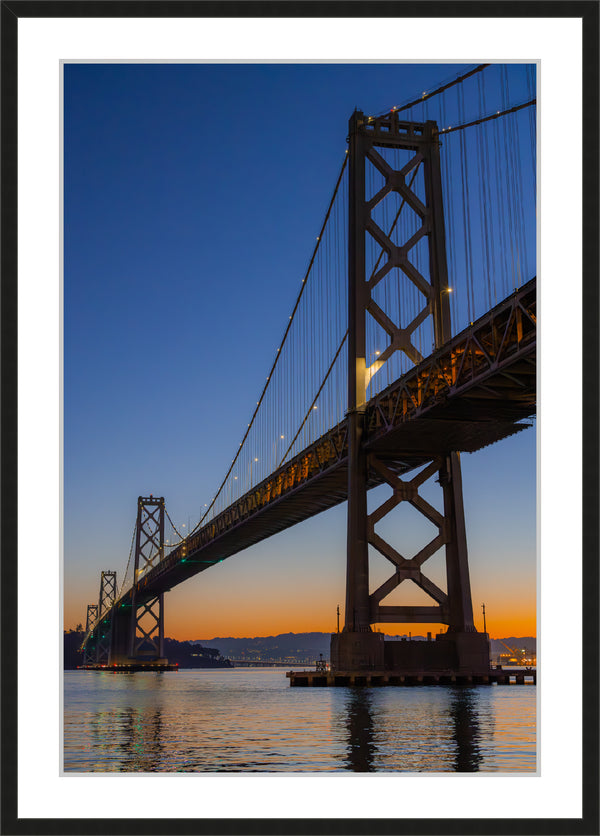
(299,417)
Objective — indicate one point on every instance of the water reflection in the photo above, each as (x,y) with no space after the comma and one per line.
(359,723)
(253,721)
(132,736)
(443,730)
(463,710)
(142,743)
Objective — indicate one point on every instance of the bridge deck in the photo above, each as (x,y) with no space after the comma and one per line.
(472,392)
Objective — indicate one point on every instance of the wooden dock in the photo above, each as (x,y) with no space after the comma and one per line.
(494,676)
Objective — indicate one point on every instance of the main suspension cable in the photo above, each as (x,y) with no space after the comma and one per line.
(496,115)
(278,353)
(438,90)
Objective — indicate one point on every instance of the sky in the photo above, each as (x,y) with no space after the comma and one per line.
(192,198)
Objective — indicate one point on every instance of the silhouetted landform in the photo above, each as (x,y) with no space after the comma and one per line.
(73,658)
(304,648)
(295,648)
(301,648)
(193,655)
(185,654)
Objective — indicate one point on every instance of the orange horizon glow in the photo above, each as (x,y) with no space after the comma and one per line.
(273,590)
(181,629)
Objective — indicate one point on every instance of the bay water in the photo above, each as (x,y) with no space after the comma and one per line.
(249,720)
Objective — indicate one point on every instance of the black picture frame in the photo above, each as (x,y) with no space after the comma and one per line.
(14,10)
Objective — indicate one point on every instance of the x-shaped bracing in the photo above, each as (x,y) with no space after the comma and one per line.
(152,538)
(151,635)
(407,569)
(397,256)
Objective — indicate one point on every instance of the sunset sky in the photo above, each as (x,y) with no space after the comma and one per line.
(192,198)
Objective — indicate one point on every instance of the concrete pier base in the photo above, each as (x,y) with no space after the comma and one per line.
(472,651)
(459,653)
(357,651)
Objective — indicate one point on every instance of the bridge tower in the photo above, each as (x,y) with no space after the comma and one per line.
(108,594)
(146,632)
(89,650)
(357,646)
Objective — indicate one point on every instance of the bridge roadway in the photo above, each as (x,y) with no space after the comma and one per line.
(475,390)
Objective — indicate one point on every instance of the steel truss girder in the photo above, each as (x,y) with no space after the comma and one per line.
(484,359)
(320,458)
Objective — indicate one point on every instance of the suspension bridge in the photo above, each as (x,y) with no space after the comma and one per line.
(412,339)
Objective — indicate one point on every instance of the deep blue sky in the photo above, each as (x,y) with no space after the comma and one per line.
(193,195)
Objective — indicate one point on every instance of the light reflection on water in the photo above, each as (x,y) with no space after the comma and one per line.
(251,720)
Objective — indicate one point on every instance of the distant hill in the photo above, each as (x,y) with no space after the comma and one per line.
(308,646)
(185,654)
(299,647)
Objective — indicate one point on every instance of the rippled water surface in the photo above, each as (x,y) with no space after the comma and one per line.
(244,719)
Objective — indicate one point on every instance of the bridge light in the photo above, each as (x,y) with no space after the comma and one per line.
(281,436)
(315,407)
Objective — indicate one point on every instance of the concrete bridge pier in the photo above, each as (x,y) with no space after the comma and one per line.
(352,651)
(458,653)
(119,653)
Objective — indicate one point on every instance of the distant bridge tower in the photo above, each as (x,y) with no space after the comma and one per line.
(89,651)
(414,174)
(108,594)
(146,637)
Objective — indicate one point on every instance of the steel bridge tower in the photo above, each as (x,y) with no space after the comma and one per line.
(146,635)
(357,646)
